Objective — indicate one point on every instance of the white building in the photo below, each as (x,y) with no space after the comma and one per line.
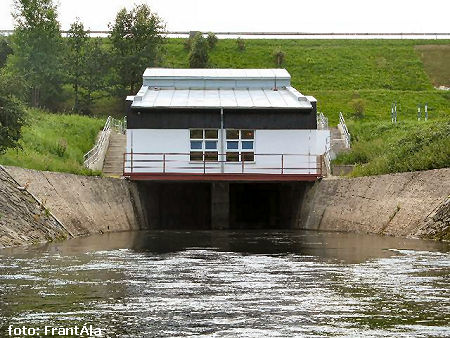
(222,125)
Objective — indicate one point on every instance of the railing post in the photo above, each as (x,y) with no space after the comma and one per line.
(321,165)
(124,164)
(164,163)
(282,163)
(204,164)
(131,160)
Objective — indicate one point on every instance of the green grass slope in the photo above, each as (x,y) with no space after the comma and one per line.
(338,71)
(383,147)
(54,142)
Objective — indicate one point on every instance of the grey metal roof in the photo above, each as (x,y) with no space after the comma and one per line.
(217,98)
(217,88)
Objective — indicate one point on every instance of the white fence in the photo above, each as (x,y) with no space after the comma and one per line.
(343,128)
(322,121)
(95,157)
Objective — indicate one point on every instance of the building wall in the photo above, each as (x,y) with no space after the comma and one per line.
(273,142)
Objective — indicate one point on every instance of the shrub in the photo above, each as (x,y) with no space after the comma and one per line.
(198,56)
(279,56)
(240,44)
(12,118)
(212,40)
(187,44)
(61,147)
(358,106)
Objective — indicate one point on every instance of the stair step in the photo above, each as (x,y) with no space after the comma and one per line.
(113,163)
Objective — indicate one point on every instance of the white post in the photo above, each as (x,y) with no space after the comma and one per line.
(222,136)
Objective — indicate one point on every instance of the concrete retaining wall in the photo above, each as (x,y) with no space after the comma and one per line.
(396,204)
(65,205)
(23,220)
(84,204)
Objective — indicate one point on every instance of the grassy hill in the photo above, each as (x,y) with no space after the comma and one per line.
(54,142)
(337,72)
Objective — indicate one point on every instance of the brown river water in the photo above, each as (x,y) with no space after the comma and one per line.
(230,284)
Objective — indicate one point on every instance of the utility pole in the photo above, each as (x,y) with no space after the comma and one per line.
(426,111)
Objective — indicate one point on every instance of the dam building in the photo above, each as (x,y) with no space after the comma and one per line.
(224,142)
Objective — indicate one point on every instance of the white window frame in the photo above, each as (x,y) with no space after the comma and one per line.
(239,149)
(203,140)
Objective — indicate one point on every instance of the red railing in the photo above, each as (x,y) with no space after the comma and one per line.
(180,163)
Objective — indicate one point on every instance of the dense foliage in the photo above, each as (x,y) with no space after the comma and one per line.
(12,118)
(136,39)
(37,50)
(198,55)
(5,50)
(75,58)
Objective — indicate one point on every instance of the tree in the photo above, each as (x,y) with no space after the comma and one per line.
(198,56)
(75,57)
(137,40)
(12,118)
(93,76)
(37,45)
(5,50)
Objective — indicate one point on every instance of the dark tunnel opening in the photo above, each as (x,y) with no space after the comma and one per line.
(222,205)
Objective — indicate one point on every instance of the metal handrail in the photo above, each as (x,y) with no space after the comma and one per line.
(347,137)
(92,155)
(164,164)
(322,121)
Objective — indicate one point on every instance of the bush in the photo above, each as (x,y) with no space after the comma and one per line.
(279,56)
(198,56)
(212,40)
(12,118)
(187,44)
(5,50)
(61,147)
(240,44)
(358,106)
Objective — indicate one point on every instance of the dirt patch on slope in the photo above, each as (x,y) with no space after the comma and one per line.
(436,61)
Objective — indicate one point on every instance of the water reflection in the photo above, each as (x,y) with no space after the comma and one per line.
(231,283)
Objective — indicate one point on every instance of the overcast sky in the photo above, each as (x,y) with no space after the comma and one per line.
(264,15)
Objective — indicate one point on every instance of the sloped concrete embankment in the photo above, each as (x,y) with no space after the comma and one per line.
(23,220)
(411,204)
(83,204)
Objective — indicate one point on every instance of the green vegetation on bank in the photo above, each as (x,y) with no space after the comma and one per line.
(55,142)
(383,147)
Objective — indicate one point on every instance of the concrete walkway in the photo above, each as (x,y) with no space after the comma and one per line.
(113,164)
